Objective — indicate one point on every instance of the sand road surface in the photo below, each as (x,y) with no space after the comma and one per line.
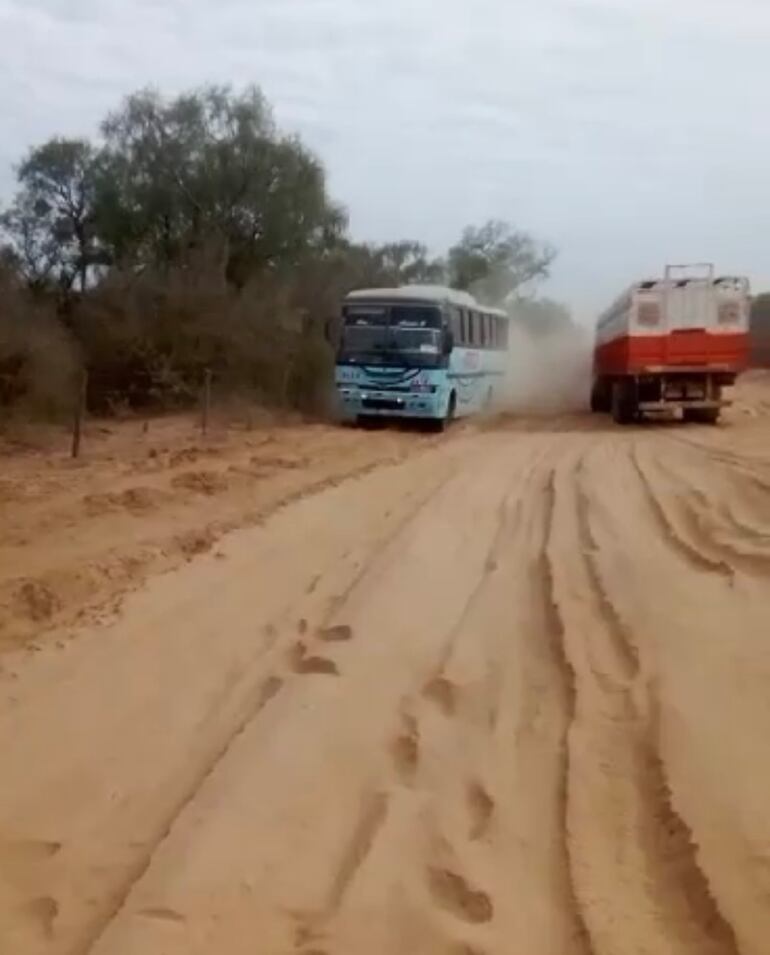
(507,691)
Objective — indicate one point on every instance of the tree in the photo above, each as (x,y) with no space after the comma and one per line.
(407,263)
(495,260)
(200,238)
(50,225)
(209,168)
(31,248)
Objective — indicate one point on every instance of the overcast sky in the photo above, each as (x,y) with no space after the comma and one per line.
(626,132)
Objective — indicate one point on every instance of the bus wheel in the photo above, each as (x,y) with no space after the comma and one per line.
(440,424)
(369,422)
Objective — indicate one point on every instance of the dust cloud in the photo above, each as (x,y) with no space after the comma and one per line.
(547,374)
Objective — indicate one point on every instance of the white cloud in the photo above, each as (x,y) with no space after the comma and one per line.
(626,131)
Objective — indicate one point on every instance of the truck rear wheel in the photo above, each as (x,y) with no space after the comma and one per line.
(600,399)
(701,415)
(623,405)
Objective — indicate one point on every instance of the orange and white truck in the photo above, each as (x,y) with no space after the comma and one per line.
(672,343)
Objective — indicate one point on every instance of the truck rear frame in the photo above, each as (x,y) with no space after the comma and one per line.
(671,345)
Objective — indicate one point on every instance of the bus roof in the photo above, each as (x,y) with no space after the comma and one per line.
(425,293)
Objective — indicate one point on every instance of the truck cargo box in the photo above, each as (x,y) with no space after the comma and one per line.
(675,323)
(672,343)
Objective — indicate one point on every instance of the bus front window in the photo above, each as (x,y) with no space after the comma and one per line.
(362,342)
(422,341)
(408,334)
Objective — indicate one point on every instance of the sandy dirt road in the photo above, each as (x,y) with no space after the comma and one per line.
(503,692)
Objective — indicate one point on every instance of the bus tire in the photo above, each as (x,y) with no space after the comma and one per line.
(440,424)
(369,422)
(623,402)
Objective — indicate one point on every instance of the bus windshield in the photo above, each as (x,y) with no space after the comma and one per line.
(387,334)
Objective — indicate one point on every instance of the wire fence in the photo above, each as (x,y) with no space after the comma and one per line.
(212,405)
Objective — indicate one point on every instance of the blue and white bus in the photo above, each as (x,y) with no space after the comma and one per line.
(418,352)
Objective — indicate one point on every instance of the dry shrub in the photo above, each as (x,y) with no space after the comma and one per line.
(38,359)
(150,338)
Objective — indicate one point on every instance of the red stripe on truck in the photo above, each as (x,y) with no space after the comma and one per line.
(632,354)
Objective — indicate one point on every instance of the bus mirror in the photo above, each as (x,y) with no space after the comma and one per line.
(449,342)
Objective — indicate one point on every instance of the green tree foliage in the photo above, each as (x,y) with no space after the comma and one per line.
(193,236)
(50,226)
(408,263)
(496,260)
(209,169)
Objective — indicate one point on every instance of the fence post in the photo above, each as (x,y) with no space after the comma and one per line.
(80,412)
(206,402)
(287,374)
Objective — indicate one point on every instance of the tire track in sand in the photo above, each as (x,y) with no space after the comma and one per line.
(268,688)
(438,687)
(699,516)
(620,764)
(267,691)
(669,532)
(566,687)
(448,881)
(446,884)
(468,820)
(623,648)
(750,470)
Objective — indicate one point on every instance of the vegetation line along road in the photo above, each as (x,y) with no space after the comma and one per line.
(193,234)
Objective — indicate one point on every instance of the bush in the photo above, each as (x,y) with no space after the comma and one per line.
(39,361)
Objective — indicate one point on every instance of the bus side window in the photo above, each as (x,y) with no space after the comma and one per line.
(484,321)
(463,328)
(455,324)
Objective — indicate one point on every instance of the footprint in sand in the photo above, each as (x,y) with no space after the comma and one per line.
(453,893)
(340,633)
(405,749)
(481,807)
(443,693)
(303,664)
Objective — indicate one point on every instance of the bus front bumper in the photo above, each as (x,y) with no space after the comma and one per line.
(355,403)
